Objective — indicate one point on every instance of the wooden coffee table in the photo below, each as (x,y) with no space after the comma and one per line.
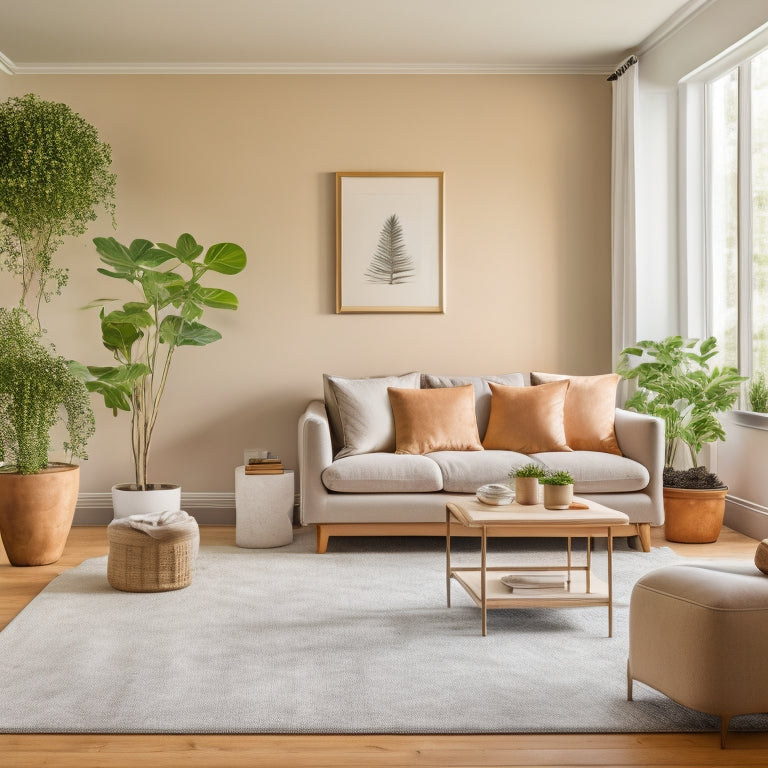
(586,519)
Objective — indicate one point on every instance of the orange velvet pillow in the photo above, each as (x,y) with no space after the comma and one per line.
(590,409)
(527,419)
(428,420)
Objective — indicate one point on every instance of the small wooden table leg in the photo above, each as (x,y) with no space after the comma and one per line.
(610,581)
(448,555)
(483,590)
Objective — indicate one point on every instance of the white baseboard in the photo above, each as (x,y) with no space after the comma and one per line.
(206,508)
(746,517)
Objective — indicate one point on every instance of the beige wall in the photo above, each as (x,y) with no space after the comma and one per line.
(251,159)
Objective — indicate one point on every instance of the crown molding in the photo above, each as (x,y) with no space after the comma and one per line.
(6,65)
(673,24)
(289,68)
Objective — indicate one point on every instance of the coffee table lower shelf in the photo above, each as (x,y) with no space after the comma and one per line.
(498,595)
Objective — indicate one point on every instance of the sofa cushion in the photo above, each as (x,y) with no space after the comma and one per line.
(383,473)
(590,408)
(360,414)
(429,420)
(527,419)
(482,390)
(466,471)
(597,472)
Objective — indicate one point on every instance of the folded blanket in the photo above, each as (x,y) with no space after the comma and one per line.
(162,525)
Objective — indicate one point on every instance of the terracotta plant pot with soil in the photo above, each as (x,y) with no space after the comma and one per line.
(692,515)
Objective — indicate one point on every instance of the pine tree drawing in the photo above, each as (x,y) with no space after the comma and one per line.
(391,263)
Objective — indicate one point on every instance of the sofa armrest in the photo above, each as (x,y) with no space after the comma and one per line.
(315,454)
(641,438)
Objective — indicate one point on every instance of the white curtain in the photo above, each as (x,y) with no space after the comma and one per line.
(624,83)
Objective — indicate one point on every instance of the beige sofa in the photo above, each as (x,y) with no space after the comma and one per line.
(352,482)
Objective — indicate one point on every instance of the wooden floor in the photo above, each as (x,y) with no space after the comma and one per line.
(19,585)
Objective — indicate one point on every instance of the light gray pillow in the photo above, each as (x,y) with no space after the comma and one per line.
(360,413)
(482,390)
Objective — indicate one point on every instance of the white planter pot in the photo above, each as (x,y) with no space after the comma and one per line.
(159,497)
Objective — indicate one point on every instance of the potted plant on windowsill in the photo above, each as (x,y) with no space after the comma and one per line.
(676,383)
(143,336)
(54,173)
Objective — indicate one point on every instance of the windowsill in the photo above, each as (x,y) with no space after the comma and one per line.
(750,419)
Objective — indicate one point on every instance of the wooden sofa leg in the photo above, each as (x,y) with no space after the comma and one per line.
(644,531)
(322,539)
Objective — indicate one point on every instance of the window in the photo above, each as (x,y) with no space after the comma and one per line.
(736,212)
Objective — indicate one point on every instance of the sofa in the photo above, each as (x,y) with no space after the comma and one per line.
(383,455)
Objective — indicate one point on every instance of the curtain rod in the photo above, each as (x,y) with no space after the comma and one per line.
(623,68)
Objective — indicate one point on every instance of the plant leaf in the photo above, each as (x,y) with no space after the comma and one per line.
(216,297)
(225,258)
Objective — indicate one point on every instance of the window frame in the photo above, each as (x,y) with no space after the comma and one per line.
(696,262)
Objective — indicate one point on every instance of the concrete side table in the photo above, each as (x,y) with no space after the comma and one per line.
(263,509)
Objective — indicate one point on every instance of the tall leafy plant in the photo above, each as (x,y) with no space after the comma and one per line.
(675,382)
(54,174)
(38,388)
(143,335)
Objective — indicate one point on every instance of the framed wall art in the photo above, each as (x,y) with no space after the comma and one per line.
(389,242)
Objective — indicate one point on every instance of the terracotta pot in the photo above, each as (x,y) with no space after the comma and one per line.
(558,496)
(693,516)
(527,490)
(36,513)
(127,500)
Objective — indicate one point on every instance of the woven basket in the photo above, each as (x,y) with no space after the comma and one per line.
(138,562)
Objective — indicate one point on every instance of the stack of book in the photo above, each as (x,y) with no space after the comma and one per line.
(528,582)
(268,465)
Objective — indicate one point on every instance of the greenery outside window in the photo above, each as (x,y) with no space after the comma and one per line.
(730,105)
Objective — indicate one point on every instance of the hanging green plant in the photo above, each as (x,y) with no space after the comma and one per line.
(54,174)
(38,389)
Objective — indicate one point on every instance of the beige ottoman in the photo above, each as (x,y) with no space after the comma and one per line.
(697,633)
(148,555)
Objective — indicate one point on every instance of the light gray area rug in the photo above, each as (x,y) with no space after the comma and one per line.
(355,641)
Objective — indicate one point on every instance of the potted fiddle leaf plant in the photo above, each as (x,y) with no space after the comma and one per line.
(54,175)
(143,336)
(676,382)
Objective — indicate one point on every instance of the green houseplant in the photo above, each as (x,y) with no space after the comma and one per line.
(526,480)
(54,174)
(757,393)
(558,489)
(37,389)
(144,334)
(676,383)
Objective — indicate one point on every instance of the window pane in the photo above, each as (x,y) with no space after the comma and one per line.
(723,100)
(760,212)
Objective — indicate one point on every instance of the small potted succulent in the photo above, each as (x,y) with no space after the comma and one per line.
(676,383)
(558,489)
(526,479)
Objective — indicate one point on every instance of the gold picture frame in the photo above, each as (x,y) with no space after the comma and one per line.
(389,242)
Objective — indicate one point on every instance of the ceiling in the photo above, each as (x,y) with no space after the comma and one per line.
(331,36)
